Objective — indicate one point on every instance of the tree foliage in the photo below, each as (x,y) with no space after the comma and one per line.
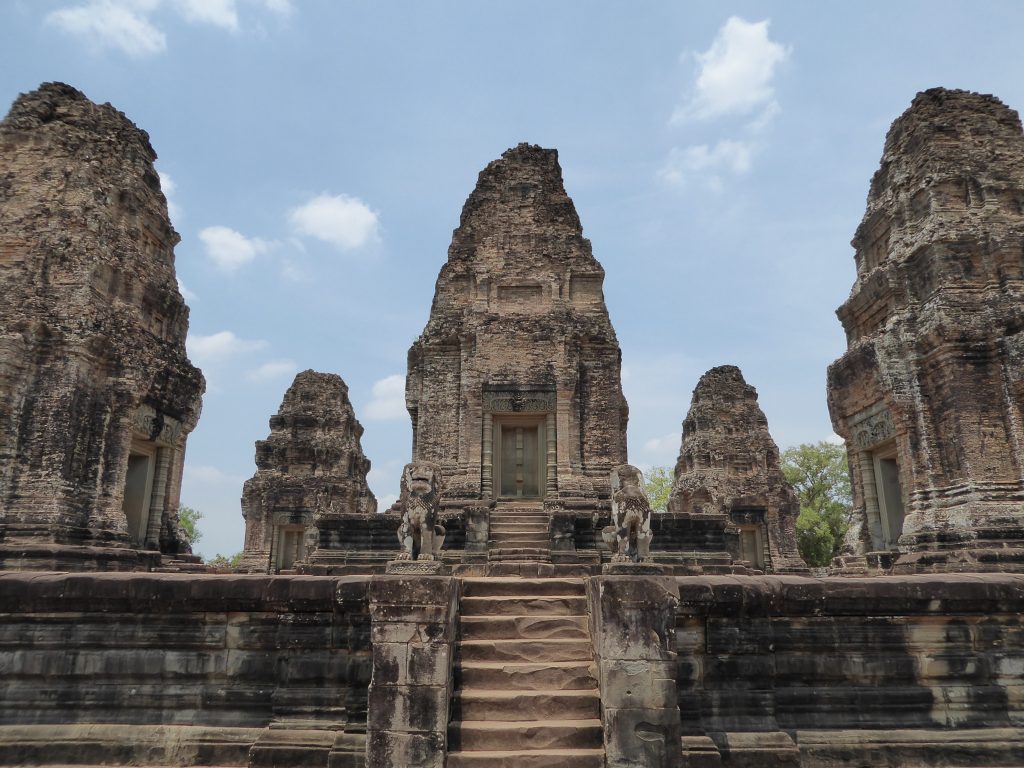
(658,487)
(188,522)
(225,561)
(821,477)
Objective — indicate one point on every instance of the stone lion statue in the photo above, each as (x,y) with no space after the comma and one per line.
(629,536)
(420,535)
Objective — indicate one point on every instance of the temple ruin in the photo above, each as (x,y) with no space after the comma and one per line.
(929,394)
(513,386)
(520,605)
(98,395)
(310,471)
(729,466)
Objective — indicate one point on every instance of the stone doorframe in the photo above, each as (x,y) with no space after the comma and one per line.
(154,440)
(531,404)
(874,436)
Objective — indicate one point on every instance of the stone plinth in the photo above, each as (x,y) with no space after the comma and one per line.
(97,395)
(929,393)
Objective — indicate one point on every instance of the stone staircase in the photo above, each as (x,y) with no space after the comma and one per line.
(526,694)
(520,543)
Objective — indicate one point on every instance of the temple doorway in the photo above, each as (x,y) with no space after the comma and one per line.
(519,461)
(890,493)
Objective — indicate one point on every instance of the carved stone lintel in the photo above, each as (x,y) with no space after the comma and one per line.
(519,401)
(872,426)
(157,427)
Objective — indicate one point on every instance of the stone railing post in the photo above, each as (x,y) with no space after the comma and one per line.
(412,631)
(478,532)
(632,620)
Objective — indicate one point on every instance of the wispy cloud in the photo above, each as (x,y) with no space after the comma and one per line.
(664,445)
(388,400)
(219,13)
(707,162)
(120,24)
(344,221)
(169,187)
(735,74)
(219,347)
(229,249)
(272,369)
(186,294)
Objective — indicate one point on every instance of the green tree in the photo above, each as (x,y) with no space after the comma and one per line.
(225,561)
(188,521)
(821,477)
(658,487)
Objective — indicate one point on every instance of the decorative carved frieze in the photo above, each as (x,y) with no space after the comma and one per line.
(519,401)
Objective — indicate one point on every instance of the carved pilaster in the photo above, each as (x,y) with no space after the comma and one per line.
(552,455)
(487,465)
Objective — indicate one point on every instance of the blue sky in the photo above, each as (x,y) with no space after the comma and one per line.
(317,154)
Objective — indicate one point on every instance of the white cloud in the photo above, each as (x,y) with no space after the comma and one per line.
(219,13)
(388,400)
(230,249)
(218,347)
(168,187)
(128,25)
(344,221)
(384,502)
(835,439)
(122,24)
(186,294)
(167,184)
(702,160)
(272,369)
(735,74)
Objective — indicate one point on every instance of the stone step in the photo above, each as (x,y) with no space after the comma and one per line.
(519,541)
(519,706)
(525,570)
(501,529)
(519,675)
(570,649)
(519,551)
(525,734)
(511,587)
(523,627)
(524,605)
(534,517)
(547,758)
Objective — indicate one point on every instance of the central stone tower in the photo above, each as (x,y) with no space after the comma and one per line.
(514,385)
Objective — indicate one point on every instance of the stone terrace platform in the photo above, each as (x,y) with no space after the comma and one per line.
(183,669)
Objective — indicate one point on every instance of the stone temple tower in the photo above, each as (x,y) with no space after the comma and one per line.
(930,392)
(310,471)
(97,395)
(514,385)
